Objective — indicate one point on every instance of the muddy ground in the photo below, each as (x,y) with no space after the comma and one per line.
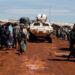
(41,58)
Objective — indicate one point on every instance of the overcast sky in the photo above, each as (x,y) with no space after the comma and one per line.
(56,10)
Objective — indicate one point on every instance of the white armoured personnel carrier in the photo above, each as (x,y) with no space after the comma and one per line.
(40,29)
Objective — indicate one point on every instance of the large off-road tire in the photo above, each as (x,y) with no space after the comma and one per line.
(32,38)
(49,39)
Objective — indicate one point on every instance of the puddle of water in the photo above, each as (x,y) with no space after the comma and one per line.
(35,65)
(32,66)
(61,54)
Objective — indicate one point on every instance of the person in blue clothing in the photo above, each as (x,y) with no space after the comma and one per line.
(11,39)
(22,41)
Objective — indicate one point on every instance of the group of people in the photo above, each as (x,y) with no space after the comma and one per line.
(63,33)
(13,35)
(70,35)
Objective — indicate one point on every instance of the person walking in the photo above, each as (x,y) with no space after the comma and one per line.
(72,42)
(11,39)
(16,30)
(22,41)
(58,33)
(3,36)
(68,34)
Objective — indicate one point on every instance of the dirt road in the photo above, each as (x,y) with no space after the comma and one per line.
(41,58)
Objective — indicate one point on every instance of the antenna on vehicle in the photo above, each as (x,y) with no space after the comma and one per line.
(49,14)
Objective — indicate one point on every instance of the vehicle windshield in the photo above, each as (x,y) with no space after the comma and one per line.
(36,24)
(45,24)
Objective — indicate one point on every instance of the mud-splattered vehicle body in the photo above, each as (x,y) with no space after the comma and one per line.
(40,30)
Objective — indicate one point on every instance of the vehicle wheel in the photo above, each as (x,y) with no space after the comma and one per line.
(49,39)
(32,38)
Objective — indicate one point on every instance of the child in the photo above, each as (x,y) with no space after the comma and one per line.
(23,45)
